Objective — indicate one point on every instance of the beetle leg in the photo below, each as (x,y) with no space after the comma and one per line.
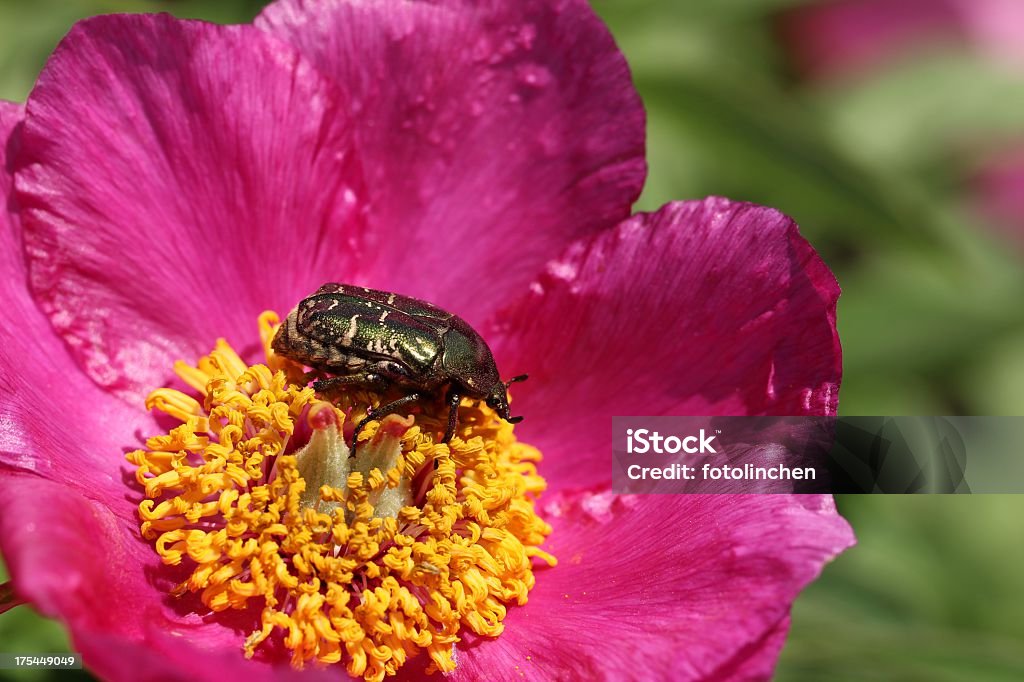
(368,379)
(453,400)
(379,413)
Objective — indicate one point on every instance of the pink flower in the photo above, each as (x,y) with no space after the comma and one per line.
(168,180)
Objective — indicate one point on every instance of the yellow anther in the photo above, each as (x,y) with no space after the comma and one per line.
(174,403)
(364,562)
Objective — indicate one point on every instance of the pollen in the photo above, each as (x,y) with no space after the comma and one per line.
(362,561)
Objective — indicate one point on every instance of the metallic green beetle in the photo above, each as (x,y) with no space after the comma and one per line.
(378,339)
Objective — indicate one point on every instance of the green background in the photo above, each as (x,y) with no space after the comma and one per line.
(873,169)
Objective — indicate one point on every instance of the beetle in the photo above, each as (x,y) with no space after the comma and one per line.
(378,339)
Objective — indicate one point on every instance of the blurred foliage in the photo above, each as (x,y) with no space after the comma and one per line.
(931,319)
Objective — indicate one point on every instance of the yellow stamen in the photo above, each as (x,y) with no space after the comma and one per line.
(363,561)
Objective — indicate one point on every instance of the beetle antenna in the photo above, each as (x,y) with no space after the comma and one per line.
(515,380)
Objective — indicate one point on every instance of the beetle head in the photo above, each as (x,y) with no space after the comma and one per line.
(497,399)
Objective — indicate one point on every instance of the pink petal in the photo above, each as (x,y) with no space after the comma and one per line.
(176,179)
(664,588)
(703,308)
(54,422)
(69,556)
(491,134)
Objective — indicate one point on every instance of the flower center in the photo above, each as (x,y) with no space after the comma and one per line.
(359,560)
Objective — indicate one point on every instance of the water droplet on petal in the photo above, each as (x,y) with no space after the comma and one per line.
(563,270)
(598,506)
(534,76)
(526,35)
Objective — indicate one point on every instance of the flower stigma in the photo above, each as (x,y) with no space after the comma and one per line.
(360,560)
